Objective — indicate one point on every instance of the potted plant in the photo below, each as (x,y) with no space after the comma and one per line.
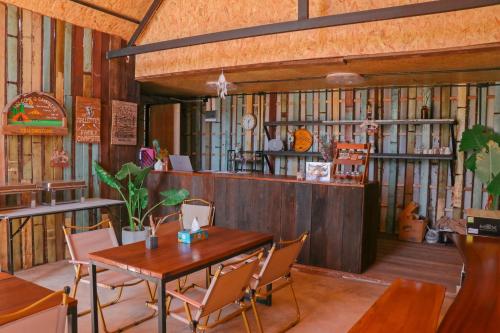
(136,197)
(482,144)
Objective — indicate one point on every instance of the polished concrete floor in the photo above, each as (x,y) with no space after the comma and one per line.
(328,302)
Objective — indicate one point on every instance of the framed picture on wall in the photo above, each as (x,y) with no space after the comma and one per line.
(88,120)
(123,123)
(318,171)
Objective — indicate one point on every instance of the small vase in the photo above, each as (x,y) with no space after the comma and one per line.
(158,165)
(152,242)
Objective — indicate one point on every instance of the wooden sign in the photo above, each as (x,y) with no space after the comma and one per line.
(34,113)
(124,123)
(88,120)
(303,140)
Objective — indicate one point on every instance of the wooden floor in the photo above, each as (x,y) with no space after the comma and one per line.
(435,263)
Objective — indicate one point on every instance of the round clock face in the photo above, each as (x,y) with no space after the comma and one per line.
(248,121)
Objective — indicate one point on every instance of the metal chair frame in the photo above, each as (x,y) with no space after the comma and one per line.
(263,291)
(79,274)
(195,322)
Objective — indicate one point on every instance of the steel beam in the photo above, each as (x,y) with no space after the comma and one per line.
(381,14)
(144,22)
(106,11)
(303,9)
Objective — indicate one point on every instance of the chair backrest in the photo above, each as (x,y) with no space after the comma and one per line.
(229,286)
(96,238)
(199,208)
(280,259)
(30,319)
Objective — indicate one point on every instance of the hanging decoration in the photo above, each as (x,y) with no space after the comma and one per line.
(222,86)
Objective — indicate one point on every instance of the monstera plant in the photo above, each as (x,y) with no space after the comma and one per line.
(129,183)
(482,146)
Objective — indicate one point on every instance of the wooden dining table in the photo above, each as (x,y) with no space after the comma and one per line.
(171,260)
(477,305)
(16,294)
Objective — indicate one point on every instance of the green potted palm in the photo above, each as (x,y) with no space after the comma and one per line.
(482,146)
(129,183)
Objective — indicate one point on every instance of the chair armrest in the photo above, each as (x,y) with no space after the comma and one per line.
(78,262)
(184,298)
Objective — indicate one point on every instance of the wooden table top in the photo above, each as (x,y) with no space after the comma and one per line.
(60,208)
(4,276)
(406,306)
(477,305)
(173,259)
(16,294)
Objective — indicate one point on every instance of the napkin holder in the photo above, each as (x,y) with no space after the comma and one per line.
(188,237)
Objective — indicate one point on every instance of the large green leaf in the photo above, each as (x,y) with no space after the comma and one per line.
(141,175)
(105,177)
(470,162)
(488,162)
(475,139)
(142,195)
(127,169)
(494,186)
(174,197)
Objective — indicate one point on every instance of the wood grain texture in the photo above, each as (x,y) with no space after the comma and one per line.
(44,62)
(342,220)
(406,306)
(476,307)
(173,259)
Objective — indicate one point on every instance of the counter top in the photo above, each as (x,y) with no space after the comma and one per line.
(258,176)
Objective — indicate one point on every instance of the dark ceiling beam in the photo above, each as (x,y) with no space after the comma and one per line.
(106,11)
(144,22)
(303,9)
(381,14)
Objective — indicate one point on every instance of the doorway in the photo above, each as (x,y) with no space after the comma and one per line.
(164,124)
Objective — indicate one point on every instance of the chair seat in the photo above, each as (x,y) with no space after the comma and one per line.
(111,279)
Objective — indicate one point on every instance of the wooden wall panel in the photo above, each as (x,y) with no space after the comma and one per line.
(425,182)
(44,54)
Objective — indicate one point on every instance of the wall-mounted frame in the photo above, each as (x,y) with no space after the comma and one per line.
(34,113)
(88,120)
(123,123)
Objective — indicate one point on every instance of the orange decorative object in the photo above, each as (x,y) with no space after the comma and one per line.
(303,140)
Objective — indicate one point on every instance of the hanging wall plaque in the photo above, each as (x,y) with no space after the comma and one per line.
(88,120)
(124,123)
(34,113)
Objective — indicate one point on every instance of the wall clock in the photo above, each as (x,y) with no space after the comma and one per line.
(248,121)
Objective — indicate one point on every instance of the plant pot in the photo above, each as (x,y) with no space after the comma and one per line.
(152,242)
(129,237)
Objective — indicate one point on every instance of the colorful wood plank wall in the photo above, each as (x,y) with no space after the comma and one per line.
(426,182)
(43,54)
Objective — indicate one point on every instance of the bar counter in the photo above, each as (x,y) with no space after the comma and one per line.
(342,219)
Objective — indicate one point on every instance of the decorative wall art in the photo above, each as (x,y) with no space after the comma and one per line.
(124,123)
(59,159)
(34,113)
(88,120)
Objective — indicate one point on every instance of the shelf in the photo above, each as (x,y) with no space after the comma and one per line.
(447,157)
(346,161)
(359,122)
(394,122)
(292,153)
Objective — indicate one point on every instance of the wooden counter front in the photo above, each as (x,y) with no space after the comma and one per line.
(342,219)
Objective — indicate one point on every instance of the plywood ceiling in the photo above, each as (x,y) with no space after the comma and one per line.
(84,16)
(444,67)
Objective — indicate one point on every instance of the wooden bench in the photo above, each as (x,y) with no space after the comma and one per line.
(406,306)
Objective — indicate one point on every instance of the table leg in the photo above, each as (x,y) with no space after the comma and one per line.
(10,248)
(72,320)
(93,300)
(162,311)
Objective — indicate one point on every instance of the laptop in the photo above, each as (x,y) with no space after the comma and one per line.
(181,163)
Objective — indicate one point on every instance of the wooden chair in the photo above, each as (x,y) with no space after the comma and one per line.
(203,210)
(37,318)
(226,288)
(95,238)
(276,272)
